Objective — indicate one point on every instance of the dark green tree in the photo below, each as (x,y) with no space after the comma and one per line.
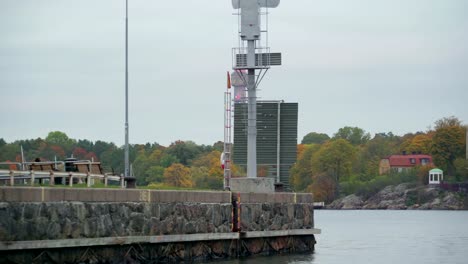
(219,146)
(184,151)
(101,146)
(61,139)
(155,174)
(167,160)
(315,138)
(355,135)
(85,144)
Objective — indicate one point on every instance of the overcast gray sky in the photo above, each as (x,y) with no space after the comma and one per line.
(380,65)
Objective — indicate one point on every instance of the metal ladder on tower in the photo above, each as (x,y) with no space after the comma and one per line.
(227,139)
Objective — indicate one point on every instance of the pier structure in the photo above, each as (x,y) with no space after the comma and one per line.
(69,225)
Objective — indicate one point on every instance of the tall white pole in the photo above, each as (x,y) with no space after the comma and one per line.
(22,158)
(127,162)
(252,112)
(251,32)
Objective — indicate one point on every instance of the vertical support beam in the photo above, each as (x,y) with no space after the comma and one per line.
(22,158)
(31,173)
(70,179)
(278,144)
(88,179)
(105,180)
(239,223)
(122,182)
(126,158)
(51,178)
(12,178)
(252,112)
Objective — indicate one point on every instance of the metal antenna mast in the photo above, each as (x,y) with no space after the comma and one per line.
(127,161)
(250,60)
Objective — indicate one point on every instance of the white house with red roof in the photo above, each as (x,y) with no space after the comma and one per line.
(403,162)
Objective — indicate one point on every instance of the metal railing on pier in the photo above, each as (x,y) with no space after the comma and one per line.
(12,175)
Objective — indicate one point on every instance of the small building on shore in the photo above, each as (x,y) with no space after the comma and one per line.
(436,176)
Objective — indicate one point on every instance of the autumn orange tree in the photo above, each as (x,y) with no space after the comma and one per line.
(178,175)
(323,188)
(419,143)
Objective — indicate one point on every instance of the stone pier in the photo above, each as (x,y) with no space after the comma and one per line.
(113,225)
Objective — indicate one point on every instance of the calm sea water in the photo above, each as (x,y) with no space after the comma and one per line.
(384,237)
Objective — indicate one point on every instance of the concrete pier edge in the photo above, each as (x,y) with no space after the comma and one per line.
(108,241)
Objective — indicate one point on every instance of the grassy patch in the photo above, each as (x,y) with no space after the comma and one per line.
(412,198)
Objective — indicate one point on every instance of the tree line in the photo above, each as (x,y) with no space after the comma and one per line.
(182,164)
(347,162)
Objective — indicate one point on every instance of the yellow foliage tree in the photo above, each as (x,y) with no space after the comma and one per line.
(300,149)
(178,175)
(420,144)
(208,173)
(215,167)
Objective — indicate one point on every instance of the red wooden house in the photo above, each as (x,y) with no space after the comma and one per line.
(403,162)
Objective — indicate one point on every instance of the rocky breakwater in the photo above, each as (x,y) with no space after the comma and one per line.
(405,196)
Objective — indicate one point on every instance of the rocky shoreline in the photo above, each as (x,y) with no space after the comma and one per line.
(405,196)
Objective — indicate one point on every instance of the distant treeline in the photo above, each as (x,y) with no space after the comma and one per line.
(182,164)
(347,162)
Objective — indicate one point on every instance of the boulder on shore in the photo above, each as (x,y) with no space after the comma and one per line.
(349,202)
